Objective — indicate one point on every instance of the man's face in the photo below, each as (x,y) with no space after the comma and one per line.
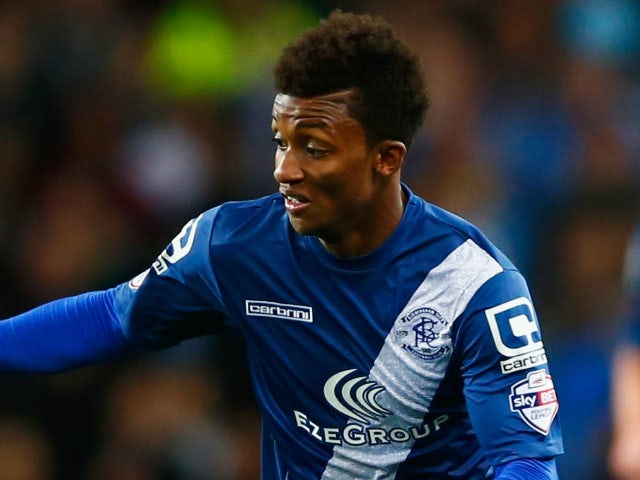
(323,166)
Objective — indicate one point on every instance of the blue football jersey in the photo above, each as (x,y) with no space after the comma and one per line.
(421,360)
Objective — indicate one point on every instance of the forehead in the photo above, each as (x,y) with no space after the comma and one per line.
(330,108)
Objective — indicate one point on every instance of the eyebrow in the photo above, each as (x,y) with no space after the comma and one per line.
(307,124)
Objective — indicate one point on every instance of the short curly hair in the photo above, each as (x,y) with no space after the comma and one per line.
(361,52)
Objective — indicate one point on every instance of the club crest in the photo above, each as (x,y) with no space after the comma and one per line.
(423,333)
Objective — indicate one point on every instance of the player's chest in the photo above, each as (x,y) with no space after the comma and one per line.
(350,308)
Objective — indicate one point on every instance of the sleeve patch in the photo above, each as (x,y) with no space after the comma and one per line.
(136,282)
(534,399)
(179,247)
(516,335)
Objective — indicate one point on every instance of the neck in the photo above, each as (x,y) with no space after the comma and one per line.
(371,233)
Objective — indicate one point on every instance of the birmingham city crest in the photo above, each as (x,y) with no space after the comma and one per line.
(423,333)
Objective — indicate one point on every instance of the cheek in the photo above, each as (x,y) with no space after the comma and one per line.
(347,177)
(349,188)
(340,183)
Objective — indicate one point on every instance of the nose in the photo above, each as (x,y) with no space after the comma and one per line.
(287,168)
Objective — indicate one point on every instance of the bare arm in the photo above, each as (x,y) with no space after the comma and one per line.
(624,457)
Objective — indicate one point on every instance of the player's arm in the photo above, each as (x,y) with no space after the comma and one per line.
(178,297)
(159,308)
(63,334)
(508,390)
(527,469)
(624,456)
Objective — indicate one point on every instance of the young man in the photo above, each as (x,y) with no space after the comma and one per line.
(387,338)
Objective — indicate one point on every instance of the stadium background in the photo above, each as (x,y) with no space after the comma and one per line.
(120,120)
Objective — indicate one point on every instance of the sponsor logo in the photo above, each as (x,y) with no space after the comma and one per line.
(534,399)
(355,396)
(258,308)
(424,333)
(136,282)
(522,362)
(179,247)
(355,434)
(516,335)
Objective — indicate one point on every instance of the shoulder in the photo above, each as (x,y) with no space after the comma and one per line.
(235,223)
(236,211)
(454,232)
(244,219)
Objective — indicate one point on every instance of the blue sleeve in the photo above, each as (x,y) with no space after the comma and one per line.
(527,469)
(508,387)
(178,297)
(63,334)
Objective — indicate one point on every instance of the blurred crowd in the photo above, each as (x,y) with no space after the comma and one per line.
(122,119)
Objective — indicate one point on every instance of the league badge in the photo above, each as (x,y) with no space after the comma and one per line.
(535,400)
(424,333)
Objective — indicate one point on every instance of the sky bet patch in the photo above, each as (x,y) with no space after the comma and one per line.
(535,400)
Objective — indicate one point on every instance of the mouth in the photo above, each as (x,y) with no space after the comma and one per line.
(294,203)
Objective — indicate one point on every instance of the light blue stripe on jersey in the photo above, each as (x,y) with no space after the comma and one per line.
(410,384)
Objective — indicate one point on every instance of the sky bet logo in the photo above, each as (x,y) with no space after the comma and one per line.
(535,400)
(516,335)
(283,311)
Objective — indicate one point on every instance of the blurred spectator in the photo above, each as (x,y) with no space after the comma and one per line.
(452,163)
(526,122)
(624,456)
(77,234)
(164,422)
(578,296)
(25,451)
(169,168)
(601,89)
(17,119)
(219,49)
(148,409)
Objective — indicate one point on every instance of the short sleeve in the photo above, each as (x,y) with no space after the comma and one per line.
(508,388)
(178,296)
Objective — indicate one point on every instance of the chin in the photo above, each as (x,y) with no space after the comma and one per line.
(306,228)
(301,227)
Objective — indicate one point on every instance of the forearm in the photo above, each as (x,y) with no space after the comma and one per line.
(527,469)
(624,455)
(62,334)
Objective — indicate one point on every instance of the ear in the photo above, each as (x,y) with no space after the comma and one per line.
(389,158)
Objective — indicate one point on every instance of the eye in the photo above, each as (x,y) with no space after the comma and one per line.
(315,152)
(279,143)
